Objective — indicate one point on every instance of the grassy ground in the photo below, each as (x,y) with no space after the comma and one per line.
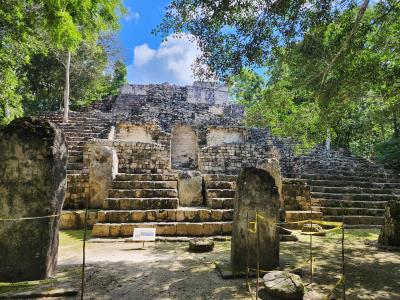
(168,271)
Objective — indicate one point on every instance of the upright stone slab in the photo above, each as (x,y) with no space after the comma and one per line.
(390,231)
(190,188)
(256,191)
(33,163)
(103,167)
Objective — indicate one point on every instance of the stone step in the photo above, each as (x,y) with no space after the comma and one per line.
(367,173)
(163,229)
(75,152)
(353,190)
(222,193)
(187,214)
(74,172)
(218,203)
(75,148)
(145,184)
(363,184)
(302,215)
(145,177)
(327,176)
(75,166)
(143,193)
(349,211)
(220,177)
(75,138)
(75,159)
(356,220)
(81,132)
(229,185)
(140,203)
(348,203)
(354,197)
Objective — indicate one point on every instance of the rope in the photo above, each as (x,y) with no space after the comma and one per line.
(341,280)
(28,218)
(84,254)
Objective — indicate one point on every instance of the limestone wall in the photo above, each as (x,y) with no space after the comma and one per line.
(77,193)
(134,157)
(184,147)
(230,158)
(133,133)
(222,135)
(296,194)
(142,157)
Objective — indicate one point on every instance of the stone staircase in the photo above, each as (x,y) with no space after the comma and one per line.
(82,126)
(220,190)
(344,184)
(151,200)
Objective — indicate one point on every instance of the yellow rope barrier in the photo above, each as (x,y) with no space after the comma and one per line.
(29,218)
(336,226)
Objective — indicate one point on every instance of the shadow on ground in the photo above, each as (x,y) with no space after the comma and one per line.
(169,271)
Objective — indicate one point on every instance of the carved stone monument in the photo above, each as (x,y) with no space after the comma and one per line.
(33,159)
(256,192)
(190,188)
(390,231)
(103,168)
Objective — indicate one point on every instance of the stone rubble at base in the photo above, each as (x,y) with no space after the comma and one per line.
(160,130)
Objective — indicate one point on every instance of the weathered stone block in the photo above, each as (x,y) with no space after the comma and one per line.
(101,230)
(166,229)
(190,188)
(103,167)
(115,230)
(212,229)
(33,159)
(227,228)
(194,229)
(126,230)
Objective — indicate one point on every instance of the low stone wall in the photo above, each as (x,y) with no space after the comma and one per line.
(230,158)
(134,157)
(295,194)
(142,157)
(77,191)
(75,219)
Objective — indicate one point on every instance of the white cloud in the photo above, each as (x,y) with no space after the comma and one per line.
(132,16)
(171,62)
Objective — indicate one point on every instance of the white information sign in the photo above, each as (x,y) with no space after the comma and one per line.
(144,234)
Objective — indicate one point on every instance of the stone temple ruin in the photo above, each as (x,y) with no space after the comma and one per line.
(168,157)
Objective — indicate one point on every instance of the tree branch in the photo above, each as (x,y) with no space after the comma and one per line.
(345,44)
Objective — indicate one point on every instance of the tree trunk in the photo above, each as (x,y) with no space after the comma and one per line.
(66,88)
(328,140)
(382,132)
(396,127)
(7,112)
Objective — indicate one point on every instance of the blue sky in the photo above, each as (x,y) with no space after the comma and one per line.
(149,60)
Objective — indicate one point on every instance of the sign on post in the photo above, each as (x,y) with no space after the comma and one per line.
(144,235)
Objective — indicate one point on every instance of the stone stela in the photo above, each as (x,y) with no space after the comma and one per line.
(33,165)
(257,197)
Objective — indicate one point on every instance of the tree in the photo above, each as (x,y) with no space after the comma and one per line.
(119,77)
(245,33)
(26,25)
(69,22)
(356,98)
(43,87)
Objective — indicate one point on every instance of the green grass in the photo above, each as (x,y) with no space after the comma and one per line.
(74,235)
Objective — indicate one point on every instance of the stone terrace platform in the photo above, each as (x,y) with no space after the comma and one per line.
(159,132)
